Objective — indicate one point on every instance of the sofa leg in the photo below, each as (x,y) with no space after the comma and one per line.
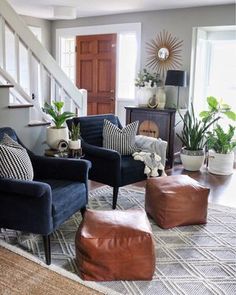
(82,211)
(115,195)
(47,249)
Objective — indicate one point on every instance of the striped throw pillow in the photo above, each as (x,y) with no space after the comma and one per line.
(120,140)
(14,160)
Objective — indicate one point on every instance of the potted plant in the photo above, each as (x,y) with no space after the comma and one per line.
(221,155)
(194,133)
(193,139)
(220,143)
(58,131)
(75,142)
(147,84)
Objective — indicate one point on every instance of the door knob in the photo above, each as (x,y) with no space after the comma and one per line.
(112,91)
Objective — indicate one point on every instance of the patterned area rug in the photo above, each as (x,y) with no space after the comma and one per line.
(191,260)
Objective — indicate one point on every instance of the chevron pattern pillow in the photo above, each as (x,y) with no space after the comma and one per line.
(14,160)
(120,140)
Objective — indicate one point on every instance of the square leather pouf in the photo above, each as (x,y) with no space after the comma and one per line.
(176,200)
(115,245)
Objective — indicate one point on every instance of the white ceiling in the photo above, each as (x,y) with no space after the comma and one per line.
(44,8)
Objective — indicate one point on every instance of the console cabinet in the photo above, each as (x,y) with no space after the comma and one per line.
(155,123)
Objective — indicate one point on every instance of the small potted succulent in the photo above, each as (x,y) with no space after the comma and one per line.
(57,132)
(221,150)
(75,142)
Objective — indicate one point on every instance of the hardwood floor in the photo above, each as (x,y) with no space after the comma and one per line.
(222,188)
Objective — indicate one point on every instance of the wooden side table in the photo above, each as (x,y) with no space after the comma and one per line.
(75,154)
(158,123)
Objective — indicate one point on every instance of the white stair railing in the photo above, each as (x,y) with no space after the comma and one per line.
(38,75)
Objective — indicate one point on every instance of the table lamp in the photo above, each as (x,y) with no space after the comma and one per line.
(176,78)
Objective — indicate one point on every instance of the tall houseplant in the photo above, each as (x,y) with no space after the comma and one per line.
(193,138)
(194,133)
(58,131)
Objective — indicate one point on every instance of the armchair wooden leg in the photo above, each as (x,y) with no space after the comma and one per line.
(82,211)
(115,195)
(47,249)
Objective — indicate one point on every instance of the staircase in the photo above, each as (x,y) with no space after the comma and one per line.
(29,77)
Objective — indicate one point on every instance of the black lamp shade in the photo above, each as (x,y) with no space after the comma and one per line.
(176,78)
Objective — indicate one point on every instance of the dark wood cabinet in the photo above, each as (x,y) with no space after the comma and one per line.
(155,123)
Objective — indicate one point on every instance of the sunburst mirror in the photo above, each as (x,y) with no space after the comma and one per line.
(164,52)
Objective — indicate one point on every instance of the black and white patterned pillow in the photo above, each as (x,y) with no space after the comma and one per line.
(120,140)
(14,160)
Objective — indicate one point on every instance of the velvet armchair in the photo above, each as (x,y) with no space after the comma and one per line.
(58,190)
(108,166)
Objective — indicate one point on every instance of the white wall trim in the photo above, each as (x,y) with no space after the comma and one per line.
(103,29)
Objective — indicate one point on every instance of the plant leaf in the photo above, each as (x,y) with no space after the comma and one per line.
(204,114)
(212,102)
(231,115)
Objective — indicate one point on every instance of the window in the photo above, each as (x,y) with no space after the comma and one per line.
(67,56)
(222,71)
(215,67)
(127,58)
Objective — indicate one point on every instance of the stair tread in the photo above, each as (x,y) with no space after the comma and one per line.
(20,106)
(34,123)
(6,85)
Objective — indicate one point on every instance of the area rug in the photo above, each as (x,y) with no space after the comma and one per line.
(21,276)
(191,260)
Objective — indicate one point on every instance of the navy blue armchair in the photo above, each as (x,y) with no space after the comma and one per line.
(108,166)
(59,189)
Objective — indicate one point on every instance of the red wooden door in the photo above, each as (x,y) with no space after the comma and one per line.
(96,71)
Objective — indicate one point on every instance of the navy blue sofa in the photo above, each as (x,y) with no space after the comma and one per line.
(59,189)
(108,166)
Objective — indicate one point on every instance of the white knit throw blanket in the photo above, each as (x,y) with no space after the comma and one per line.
(152,153)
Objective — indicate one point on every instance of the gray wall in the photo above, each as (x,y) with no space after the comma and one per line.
(179,22)
(46,29)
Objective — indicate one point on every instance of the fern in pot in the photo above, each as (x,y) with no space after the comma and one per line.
(57,132)
(193,138)
(221,146)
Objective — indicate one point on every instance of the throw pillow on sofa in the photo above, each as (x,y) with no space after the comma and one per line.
(14,160)
(120,140)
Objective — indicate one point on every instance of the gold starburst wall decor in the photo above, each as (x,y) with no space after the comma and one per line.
(164,52)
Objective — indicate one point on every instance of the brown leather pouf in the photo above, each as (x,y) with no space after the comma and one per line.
(176,200)
(115,245)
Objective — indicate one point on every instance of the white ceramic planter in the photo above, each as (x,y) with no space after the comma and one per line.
(144,94)
(161,97)
(54,135)
(192,160)
(221,164)
(75,144)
